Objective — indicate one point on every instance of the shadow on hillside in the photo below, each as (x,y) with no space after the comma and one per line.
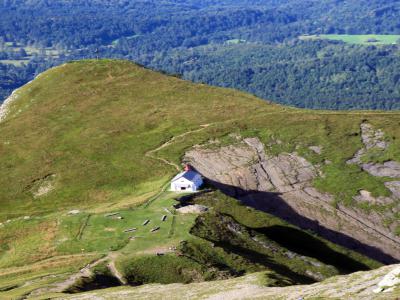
(273,204)
(263,259)
(96,282)
(305,244)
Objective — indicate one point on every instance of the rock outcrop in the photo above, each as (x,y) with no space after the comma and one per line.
(375,140)
(7,103)
(389,282)
(192,209)
(360,285)
(282,185)
(387,169)
(5,106)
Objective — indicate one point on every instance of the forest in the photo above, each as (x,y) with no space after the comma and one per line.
(252,45)
(319,75)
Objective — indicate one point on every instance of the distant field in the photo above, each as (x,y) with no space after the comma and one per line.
(14,62)
(30,52)
(235,41)
(367,39)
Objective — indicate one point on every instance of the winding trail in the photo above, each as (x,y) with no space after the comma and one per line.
(85,272)
(61,286)
(113,269)
(152,155)
(111,257)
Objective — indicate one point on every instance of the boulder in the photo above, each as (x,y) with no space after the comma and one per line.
(192,209)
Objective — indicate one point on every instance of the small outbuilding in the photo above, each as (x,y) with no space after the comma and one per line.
(187,181)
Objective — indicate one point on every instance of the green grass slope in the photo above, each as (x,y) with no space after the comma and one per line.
(90,124)
(84,129)
(107,136)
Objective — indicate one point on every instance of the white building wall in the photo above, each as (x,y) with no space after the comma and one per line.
(184,185)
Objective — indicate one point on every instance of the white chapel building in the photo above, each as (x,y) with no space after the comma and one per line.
(187,181)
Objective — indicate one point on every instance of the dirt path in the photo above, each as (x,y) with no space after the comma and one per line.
(113,269)
(59,287)
(85,272)
(112,256)
(151,153)
(83,227)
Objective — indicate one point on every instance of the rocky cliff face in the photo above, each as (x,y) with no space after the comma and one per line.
(282,185)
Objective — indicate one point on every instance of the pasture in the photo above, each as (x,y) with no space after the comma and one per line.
(60,244)
(359,39)
(16,57)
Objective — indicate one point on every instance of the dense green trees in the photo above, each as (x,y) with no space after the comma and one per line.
(197,39)
(313,74)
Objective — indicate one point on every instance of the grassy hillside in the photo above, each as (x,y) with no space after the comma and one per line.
(84,129)
(206,250)
(106,136)
(90,124)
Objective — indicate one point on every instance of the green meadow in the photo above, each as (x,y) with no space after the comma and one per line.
(30,51)
(100,232)
(363,39)
(75,240)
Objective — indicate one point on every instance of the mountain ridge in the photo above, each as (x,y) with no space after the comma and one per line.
(87,149)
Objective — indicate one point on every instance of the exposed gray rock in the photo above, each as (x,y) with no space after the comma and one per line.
(316,275)
(357,157)
(192,209)
(5,107)
(394,187)
(355,286)
(375,139)
(44,186)
(268,245)
(372,138)
(315,263)
(366,196)
(282,185)
(390,280)
(387,169)
(316,149)
(291,254)
(234,227)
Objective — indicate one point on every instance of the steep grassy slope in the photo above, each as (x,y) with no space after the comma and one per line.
(106,136)
(90,124)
